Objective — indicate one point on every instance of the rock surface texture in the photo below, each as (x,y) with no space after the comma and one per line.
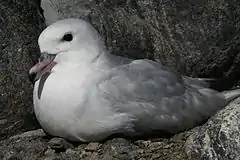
(35,145)
(219,138)
(198,38)
(20,26)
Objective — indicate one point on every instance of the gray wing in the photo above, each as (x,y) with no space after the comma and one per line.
(158,98)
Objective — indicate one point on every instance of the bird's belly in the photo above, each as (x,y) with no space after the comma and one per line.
(60,108)
(57,121)
(58,124)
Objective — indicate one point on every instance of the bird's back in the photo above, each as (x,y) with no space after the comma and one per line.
(158,98)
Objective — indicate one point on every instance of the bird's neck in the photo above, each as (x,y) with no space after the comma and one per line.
(85,59)
(84,56)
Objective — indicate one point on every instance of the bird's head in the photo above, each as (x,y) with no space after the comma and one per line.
(66,41)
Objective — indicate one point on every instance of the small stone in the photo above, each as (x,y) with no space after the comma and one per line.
(3,121)
(19,50)
(70,151)
(81,147)
(49,152)
(142,143)
(92,147)
(84,154)
(32,134)
(60,144)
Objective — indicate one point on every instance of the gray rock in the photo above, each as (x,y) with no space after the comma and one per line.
(219,138)
(60,144)
(92,147)
(30,134)
(20,25)
(198,38)
(29,146)
(57,9)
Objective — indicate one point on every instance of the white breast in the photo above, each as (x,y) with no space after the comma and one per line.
(65,108)
(61,100)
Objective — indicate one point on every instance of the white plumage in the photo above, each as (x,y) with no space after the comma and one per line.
(90,94)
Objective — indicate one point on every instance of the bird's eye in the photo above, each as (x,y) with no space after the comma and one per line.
(67,37)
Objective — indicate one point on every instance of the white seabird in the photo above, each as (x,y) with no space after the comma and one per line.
(82,93)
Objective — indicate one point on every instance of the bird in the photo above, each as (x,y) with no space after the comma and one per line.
(83,93)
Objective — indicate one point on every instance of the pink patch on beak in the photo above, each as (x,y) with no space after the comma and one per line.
(42,67)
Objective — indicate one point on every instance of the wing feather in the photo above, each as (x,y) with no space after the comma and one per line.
(158,98)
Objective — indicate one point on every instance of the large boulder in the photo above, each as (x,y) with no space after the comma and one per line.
(219,138)
(20,25)
(197,38)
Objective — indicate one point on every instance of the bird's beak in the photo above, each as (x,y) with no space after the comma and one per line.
(45,64)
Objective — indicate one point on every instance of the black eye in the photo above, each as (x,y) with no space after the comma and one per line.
(67,37)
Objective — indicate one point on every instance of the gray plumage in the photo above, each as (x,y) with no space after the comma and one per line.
(91,94)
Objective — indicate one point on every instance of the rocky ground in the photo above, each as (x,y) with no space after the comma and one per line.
(197,38)
(34,145)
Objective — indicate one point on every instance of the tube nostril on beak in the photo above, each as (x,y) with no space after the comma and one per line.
(32,77)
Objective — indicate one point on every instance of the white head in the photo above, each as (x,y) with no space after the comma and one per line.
(68,41)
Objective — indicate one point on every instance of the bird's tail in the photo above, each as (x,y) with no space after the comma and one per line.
(230,95)
(218,84)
